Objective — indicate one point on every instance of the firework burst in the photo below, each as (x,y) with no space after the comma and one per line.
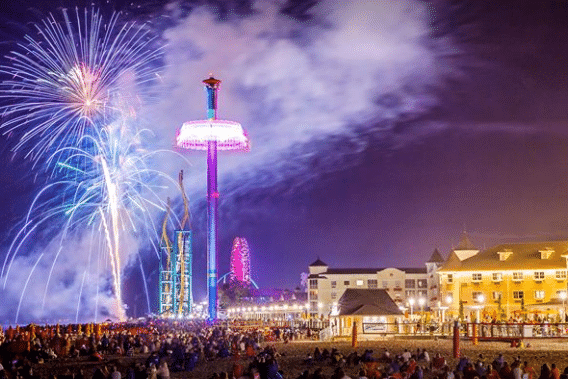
(72,77)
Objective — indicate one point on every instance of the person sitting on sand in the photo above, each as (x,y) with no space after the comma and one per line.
(506,372)
(353,359)
(545,372)
(386,357)
(406,355)
(462,363)
(438,363)
(498,362)
(492,372)
(317,355)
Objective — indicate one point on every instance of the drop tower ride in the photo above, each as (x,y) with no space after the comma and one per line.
(212,135)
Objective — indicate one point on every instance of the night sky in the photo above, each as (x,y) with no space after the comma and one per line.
(380,130)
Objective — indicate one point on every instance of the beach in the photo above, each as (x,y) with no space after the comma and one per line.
(293,354)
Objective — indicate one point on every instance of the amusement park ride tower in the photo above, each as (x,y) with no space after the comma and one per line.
(212,135)
(176,282)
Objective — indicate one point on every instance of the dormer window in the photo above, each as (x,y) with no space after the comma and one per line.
(545,253)
(503,255)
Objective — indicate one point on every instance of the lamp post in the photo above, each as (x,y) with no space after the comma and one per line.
(421,302)
(563,297)
(480,299)
(411,302)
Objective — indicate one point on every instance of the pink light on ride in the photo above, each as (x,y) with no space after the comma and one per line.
(229,135)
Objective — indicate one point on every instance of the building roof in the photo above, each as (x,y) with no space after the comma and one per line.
(518,256)
(316,276)
(465,243)
(318,262)
(435,257)
(344,271)
(375,302)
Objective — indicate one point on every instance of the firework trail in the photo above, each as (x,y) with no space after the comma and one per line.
(109,187)
(70,100)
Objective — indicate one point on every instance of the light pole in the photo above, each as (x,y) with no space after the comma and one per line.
(480,299)
(563,297)
(421,302)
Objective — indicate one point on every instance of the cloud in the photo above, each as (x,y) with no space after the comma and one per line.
(354,71)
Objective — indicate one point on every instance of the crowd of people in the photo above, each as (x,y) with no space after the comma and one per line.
(420,365)
(167,346)
(158,349)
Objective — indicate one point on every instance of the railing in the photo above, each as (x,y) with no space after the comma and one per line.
(500,331)
(483,331)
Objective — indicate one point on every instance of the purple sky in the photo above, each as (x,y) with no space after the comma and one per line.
(378,132)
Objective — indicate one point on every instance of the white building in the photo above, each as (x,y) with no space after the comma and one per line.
(416,288)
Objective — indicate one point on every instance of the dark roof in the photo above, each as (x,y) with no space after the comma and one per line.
(465,243)
(367,302)
(522,255)
(318,262)
(316,276)
(413,270)
(435,257)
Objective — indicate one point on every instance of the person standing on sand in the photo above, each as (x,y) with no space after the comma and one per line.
(554,372)
(529,370)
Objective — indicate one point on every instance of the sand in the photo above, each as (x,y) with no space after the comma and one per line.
(293,354)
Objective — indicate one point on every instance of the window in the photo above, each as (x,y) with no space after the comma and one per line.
(333,284)
(422,293)
(385,284)
(450,278)
(410,293)
(314,306)
(561,274)
(539,294)
(477,297)
(313,284)
(372,283)
(561,294)
(496,295)
(518,295)
(359,282)
(497,276)
(314,295)
(518,276)
(346,282)
(538,275)
(397,284)
(476,277)
(410,283)
(333,296)
(422,283)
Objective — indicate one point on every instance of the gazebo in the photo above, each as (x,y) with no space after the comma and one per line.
(373,310)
